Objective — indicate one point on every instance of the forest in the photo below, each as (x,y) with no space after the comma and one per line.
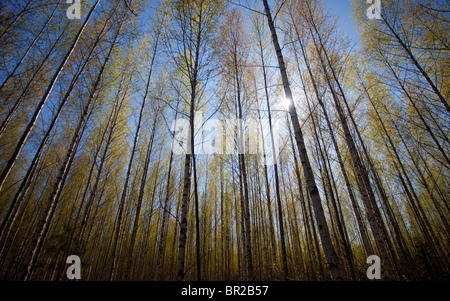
(225,140)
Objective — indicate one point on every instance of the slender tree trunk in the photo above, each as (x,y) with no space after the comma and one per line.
(243,176)
(44,223)
(417,65)
(21,97)
(147,161)
(11,74)
(165,216)
(139,201)
(184,215)
(17,17)
(110,128)
(361,225)
(275,167)
(189,160)
(340,223)
(430,192)
(401,242)
(327,244)
(268,197)
(11,215)
(363,181)
(10,163)
(416,109)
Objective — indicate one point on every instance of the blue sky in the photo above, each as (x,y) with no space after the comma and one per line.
(340,8)
(343,9)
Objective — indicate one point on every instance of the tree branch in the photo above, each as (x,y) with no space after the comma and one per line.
(129,8)
(238,4)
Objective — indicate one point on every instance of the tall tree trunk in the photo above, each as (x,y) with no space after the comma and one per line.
(268,197)
(363,181)
(340,222)
(417,65)
(17,17)
(400,240)
(147,160)
(24,55)
(356,209)
(245,198)
(416,109)
(21,97)
(189,158)
(11,215)
(165,216)
(32,122)
(44,223)
(327,244)
(184,215)
(139,201)
(275,167)
(94,190)
(306,218)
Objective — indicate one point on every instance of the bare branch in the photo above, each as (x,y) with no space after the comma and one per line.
(128,6)
(238,4)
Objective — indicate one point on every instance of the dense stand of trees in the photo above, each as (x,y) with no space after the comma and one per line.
(91,115)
